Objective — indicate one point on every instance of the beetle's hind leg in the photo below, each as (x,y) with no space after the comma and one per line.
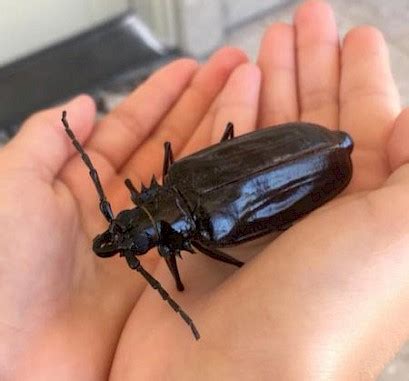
(218,255)
(168,158)
(228,132)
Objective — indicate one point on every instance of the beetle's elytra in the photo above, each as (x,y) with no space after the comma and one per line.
(226,194)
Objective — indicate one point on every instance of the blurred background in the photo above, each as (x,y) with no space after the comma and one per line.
(52,50)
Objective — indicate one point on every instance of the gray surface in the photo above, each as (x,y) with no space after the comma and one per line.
(391,17)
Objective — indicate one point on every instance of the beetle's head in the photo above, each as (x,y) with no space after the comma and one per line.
(123,234)
(111,241)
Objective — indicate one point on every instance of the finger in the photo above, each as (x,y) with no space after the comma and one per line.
(42,147)
(278,98)
(132,121)
(180,124)
(398,148)
(317,48)
(184,118)
(369,103)
(238,102)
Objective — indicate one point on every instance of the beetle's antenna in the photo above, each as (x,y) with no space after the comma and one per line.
(104,205)
(134,264)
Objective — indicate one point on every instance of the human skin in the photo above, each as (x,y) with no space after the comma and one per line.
(326,300)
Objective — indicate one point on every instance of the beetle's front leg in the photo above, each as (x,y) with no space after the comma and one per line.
(170,258)
(133,191)
(170,245)
(134,264)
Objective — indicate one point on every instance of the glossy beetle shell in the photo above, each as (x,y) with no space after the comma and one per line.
(261,182)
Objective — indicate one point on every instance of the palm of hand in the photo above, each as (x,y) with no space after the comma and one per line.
(81,304)
(300,290)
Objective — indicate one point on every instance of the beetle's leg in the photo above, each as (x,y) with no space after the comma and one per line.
(171,262)
(168,158)
(134,264)
(104,205)
(218,255)
(170,259)
(228,132)
(133,191)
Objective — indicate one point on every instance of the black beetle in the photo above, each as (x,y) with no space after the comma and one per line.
(226,194)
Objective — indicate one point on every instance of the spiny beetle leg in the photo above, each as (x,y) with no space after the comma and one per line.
(170,258)
(134,264)
(133,191)
(168,158)
(218,255)
(228,132)
(173,268)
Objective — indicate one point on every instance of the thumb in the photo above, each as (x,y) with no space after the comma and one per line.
(41,146)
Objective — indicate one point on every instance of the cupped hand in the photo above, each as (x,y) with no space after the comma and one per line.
(328,299)
(62,309)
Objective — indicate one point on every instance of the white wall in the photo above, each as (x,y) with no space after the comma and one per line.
(237,10)
(29,25)
(196,26)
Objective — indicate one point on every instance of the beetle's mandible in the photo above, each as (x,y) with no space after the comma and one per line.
(232,192)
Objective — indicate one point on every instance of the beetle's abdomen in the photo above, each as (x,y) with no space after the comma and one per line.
(263,181)
(274,198)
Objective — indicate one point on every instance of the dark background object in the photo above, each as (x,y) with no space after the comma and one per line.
(114,54)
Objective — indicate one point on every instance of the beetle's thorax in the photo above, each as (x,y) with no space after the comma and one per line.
(167,207)
(147,225)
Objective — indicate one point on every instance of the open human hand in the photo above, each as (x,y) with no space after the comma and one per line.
(327,300)
(320,302)
(62,309)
